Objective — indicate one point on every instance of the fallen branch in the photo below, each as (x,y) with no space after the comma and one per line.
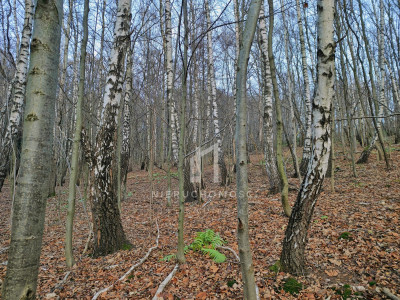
(165,282)
(141,261)
(230,249)
(61,283)
(387,293)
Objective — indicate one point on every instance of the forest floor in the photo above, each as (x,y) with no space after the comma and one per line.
(354,240)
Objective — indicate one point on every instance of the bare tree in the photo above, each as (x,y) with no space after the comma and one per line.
(37,150)
(294,243)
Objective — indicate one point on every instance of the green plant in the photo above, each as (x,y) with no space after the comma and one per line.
(206,242)
(324,217)
(231,282)
(292,286)
(126,247)
(345,236)
(372,283)
(345,292)
(275,267)
(130,194)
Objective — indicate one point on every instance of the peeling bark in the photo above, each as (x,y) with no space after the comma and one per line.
(294,243)
(107,226)
(17,90)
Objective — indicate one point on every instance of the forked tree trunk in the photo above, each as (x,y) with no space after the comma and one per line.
(107,227)
(37,150)
(246,262)
(269,151)
(17,91)
(294,243)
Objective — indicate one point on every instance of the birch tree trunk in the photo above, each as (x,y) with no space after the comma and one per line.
(107,227)
(37,145)
(292,135)
(279,122)
(269,151)
(17,90)
(126,122)
(246,263)
(294,243)
(307,140)
(69,257)
(180,256)
(213,89)
(170,83)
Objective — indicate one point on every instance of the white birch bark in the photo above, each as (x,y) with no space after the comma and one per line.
(269,151)
(106,214)
(294,243)
(307,140)
(213,96)
(170,75)
(17,89)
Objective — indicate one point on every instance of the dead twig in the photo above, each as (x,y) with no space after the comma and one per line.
(141,261)
(62,282)
(233,251)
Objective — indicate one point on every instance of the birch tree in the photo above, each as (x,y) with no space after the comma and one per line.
(294,243)
(107,227)
(17,90)
(170,81)
(279,121)
(213,96)
(307,140)
(37,145)
(269,151)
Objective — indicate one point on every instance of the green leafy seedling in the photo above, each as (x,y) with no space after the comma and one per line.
(345,292)
(292,286)
(324,217)
(345,236)
(275,267)
(231,282)
(372,283)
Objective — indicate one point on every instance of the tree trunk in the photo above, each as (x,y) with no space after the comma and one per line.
(17,90)
(246,263)
(294,243)
(213,89)
(279,123)
(269,151)
(107,227)
(180,256)
(170,84)
(307,140)
(37,149)
(69,257)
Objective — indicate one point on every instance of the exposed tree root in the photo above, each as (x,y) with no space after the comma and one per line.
(165,282)
(141,261)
